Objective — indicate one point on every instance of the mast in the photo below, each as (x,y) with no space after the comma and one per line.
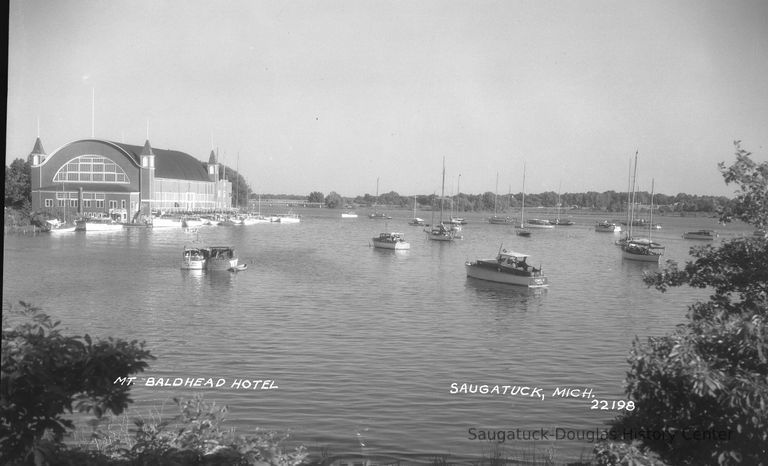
(458,191)
(522,208)
(496,197)
(632,207)
(442,192)
(650,222)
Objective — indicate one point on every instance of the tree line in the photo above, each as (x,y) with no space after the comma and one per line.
(18,187)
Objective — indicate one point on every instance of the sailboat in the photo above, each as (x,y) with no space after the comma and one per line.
(495,218)
(561,221)
(377,214)
(55,225)
(456,221)
(415,221)
(440,232)
(641,249)
(520,230)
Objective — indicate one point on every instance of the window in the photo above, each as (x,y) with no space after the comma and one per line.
(62,202)
(113,204)
(99,203)
(122,204)
(91,169)
(86,203)
(49,202)
(73,202)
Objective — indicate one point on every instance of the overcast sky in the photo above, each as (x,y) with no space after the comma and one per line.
(327,96)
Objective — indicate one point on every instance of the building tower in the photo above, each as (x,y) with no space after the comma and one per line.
(147,179)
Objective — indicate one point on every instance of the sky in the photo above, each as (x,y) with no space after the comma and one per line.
(342,95)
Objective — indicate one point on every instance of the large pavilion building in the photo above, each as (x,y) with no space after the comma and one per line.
(94,177)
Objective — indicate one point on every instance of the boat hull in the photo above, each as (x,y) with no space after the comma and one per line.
(496,275)
(653,257)
(397,245)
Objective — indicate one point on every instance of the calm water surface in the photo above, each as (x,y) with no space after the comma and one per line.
(364,344)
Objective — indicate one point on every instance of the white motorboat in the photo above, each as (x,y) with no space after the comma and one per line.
(348,215)
(701,234)
(539,223)
(166,221)
(508,267)
(391,240)
(191,221)
(607,227)
(288,218)
(192,259)
(56,226)
(98,224)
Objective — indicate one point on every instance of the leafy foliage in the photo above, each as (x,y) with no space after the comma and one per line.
(706,385)
(196,436)
(334,200)
(46,374)
(18,185)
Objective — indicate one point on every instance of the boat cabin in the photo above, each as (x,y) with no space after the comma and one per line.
(516,262)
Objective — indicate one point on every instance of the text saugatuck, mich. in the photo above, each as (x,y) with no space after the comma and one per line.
(200,382)
(518,390)
(594,435)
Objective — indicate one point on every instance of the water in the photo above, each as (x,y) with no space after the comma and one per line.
(364,344)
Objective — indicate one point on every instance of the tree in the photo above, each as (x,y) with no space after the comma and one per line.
(316,196)
(333,200)
(45,374)
(18,185)
(706,385)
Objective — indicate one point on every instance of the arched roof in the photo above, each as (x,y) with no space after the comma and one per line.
(170,163)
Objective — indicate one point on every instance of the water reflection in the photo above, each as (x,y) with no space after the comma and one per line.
(505,296)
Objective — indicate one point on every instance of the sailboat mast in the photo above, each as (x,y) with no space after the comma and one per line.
(650,222)
(522,208)
(634,185)
(496,197)
(442,193)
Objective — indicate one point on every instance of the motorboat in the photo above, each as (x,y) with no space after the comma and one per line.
(220,257)
(166,221)
(98,224)
(508,267)
(416,221)
(348,215)
(253,219)
(391,240)
(701,234)
(607,227)
(499,220)
(562,222)
(457,221)
(539,223)
(288,218)
(379,215)
(191,221)
(192,259)
(56,226)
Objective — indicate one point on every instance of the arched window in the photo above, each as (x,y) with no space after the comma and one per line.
(91,169)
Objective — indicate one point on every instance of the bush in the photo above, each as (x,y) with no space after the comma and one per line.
(705,387)
(46,374)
